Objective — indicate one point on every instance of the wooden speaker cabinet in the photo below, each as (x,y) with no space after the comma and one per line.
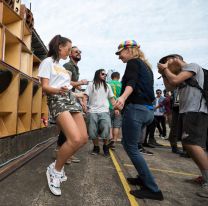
(12,49)
(11,20)
(17,4)
(36,63)
(36,106)
(44,111)
(9,89)
(1,41)
(26,61)
(24,104)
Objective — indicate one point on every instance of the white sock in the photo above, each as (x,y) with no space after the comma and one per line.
(57,172)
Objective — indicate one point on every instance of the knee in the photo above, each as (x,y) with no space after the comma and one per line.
(105,132)
(85,139)
(79,141)
(75,142)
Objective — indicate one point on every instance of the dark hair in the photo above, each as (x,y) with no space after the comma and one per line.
(158,90)
(54,46)
(164,59)
(97,81)
(115,75)
(164,91)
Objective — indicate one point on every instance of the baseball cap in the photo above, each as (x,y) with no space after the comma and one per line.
(164,59)
(127,44)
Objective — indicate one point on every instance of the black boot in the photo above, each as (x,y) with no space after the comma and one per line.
(176,150)
(96,150)
(106,150)
(145,193)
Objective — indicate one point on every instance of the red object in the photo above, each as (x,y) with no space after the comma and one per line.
(45,121)
(199,180)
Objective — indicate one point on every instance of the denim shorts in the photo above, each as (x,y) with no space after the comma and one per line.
(116,120)
(98,125)
(193,128)
(59,103)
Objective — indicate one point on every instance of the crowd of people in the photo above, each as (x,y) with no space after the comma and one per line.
(105,109)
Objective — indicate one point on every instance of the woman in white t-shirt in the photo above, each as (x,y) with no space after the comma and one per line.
(55,80)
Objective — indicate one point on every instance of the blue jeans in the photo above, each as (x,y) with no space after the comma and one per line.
(135,118)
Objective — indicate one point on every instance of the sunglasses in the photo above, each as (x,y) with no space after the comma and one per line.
(78,52)
(103,74)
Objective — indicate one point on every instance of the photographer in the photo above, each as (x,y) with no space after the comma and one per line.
(192,111)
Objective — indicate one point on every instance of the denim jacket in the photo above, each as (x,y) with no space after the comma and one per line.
(160,102)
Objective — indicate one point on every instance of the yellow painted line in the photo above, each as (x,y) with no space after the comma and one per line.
(125,184)
(167,171)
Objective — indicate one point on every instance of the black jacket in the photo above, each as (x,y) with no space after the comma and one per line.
(140,77)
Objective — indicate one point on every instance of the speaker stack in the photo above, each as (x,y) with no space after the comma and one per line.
(17,6)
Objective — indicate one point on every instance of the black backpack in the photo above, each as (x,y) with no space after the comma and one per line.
(193,83)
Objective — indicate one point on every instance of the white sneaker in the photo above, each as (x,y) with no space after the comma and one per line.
(204,191)
(63,175)
(75,159)
(68,162)
(163,137)
(54,181)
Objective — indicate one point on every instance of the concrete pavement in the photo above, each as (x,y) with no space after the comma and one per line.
(95,181)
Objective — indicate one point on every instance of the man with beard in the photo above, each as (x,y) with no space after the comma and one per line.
(75,57)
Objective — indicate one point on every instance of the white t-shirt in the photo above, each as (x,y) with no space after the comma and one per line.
(98,98)
(58,76)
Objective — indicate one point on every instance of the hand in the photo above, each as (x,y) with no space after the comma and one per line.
(119,103)
(63,90)
(162,67)
(45,121)
(84,82)
(79,94)
(81,102)
(84,107)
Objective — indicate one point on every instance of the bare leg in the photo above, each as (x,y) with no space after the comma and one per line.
(111,133)
(116,133)
(96,141)
(78,118)
(75,131)
(198,155)
(105,141)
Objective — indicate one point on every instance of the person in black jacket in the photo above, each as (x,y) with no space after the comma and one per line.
(136,99)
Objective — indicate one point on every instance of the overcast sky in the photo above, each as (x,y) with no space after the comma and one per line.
(98,26)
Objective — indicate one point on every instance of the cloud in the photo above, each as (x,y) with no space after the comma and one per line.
(97,27)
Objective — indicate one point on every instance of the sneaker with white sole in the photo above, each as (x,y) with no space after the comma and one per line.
(96,150)
(75,159)
(69,161)
(63,175)
(54,181)
(204,191)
